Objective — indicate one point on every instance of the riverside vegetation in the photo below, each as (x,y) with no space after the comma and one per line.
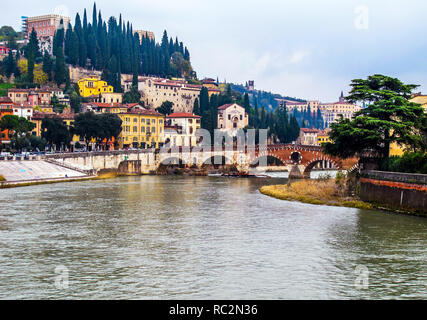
(340,192)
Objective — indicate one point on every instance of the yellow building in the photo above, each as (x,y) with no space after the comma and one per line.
(93,86)
(142,129)
(323,137)
(395,149)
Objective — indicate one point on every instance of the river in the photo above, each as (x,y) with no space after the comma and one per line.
(157,237)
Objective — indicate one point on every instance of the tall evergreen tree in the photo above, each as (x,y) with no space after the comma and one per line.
(32,52)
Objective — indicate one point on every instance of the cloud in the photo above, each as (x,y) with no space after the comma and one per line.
(298,56)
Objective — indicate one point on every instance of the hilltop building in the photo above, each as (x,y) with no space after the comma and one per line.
(232,117)
(45,26)
(144,34)
(331,112)
(155,91)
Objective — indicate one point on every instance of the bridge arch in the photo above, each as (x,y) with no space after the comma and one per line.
(217,161)
(173,161)
(270,160)
(315,162)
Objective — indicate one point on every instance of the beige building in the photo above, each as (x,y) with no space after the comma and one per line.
(108,97)
(330,111)
(181,128)
(156,91)
(232,117)
(144,33)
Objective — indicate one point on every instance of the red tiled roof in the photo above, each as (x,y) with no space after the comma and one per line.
(146,112)
(226,106)
(20,90)
(5,100)
(183,115)
(307,130)
(24,104)
(41,115)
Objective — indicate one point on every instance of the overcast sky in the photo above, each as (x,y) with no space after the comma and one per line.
(302,48)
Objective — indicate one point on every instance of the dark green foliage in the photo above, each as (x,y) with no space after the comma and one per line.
(133,96)
(415,162)
(166,108)
(99,127)
(48,65)
(55,131)
(32,53)
(196,107)
(389,118)
(114,48)
(15,124)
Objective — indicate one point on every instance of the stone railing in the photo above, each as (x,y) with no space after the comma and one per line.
(396,177)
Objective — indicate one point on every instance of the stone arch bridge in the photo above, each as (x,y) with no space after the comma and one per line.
(297,159)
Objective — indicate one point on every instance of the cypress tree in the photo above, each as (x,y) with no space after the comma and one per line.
(196,107)
(10,64)
(33,47)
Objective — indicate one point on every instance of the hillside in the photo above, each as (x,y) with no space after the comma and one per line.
(263,98)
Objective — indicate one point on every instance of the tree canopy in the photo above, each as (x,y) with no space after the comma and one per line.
(389,117)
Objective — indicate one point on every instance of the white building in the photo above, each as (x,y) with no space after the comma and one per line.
(24,110)
(232,117)
(181,128)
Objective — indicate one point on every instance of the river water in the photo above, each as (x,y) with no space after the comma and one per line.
(200,238)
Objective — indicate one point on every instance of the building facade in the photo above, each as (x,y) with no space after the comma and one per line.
(232,117)
(141,129)
(45,27)
(93,87)
(181,128)
(6,108)
(181,94)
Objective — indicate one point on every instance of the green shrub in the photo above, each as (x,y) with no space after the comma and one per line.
(410,162)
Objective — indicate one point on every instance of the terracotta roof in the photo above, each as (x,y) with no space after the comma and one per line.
(20,90)
(226,106)
(22,105)
(41,115)
(146,112)
(307,130)
(5,100)
(183,115)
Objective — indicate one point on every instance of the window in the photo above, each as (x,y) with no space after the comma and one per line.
(142,120)
(135,129)
(143,129)
(153,129)
(229,117)
(135,119)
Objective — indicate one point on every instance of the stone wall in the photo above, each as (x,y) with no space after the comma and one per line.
(396,190)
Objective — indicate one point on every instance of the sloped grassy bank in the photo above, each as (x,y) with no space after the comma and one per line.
(320,192)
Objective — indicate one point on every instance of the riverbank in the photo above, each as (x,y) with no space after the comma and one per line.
(319,192)
(328,193)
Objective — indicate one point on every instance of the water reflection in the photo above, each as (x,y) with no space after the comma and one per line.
(200,238)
